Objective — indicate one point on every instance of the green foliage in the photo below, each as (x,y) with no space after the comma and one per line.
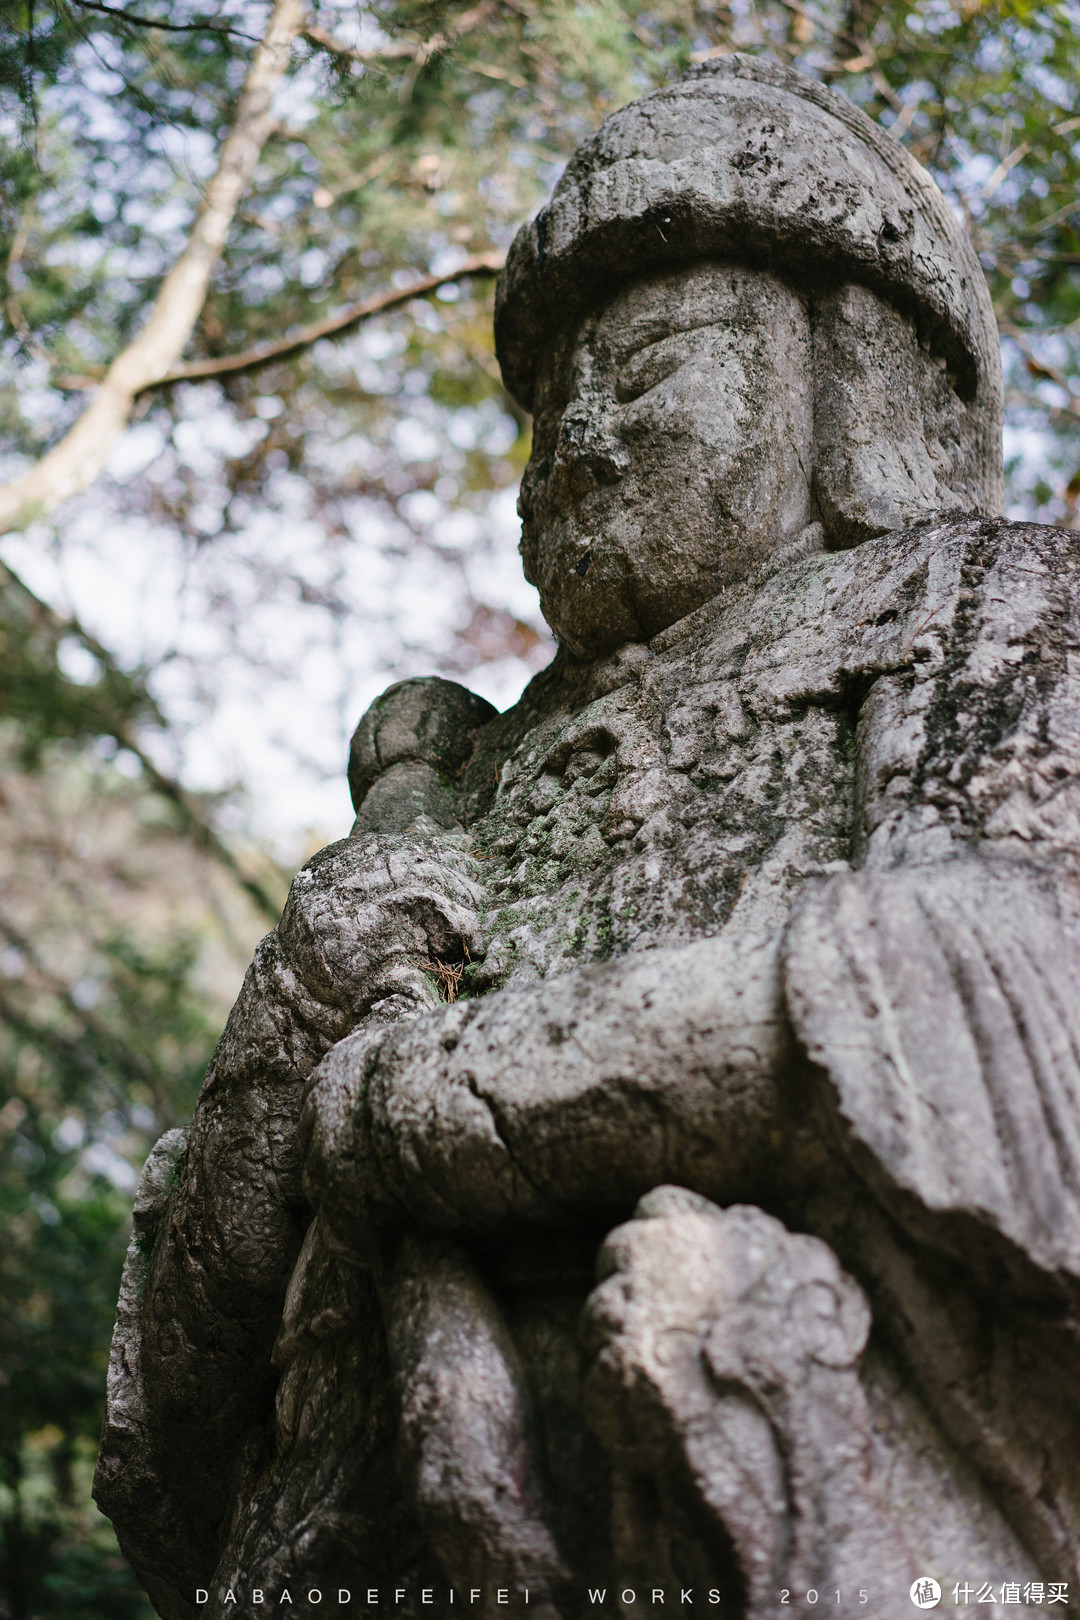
(35,693)
(109,1009)
(59,1275)
(985,94)
(452,128)
(79,1099)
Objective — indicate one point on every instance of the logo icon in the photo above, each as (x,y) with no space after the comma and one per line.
(925,1592)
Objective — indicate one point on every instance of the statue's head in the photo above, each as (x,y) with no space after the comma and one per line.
(745,310)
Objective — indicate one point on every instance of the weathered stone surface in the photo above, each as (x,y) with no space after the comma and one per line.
(211,1277)
(423,722)
(891,445)
(727,1361)
(742,161)
(762,909)
(708,368)
(467,1432)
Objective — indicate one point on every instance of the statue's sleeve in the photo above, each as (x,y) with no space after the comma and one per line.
(938,984)
(943,1002)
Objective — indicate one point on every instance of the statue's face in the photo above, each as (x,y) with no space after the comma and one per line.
(671,453)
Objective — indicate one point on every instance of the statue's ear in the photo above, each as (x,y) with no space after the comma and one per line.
(892,440)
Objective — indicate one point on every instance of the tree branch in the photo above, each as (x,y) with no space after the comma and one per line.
(1039,368)
(403,50)
(197,826)
(261,354)
(19,323)
(803,12)
(70,466)
(194,820)
(161,22)
(394,51)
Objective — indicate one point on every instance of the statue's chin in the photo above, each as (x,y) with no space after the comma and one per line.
(626,561)
(588,640)
(593,624)
(596,596)
(591,612)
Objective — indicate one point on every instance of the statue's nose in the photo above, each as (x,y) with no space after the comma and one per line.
(588,455)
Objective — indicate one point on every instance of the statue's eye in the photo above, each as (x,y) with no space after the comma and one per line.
(653,363)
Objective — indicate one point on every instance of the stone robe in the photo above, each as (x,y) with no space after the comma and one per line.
(780,908)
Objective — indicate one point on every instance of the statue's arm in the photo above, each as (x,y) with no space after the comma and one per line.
(220,1216)
(940,1005)
(573,1095)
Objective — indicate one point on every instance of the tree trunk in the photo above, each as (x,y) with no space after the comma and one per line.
(73,464)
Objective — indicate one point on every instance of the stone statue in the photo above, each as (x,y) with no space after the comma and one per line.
(646,1155)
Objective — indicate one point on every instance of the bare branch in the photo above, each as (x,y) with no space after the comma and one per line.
(199,828)
(1039,368)
(75,462)
(14,308)
(324,197)
(262,354)
(161,22)
(193,817)
(402,50)
(806,15)
(482,264)
(1002,170)
(513,79)
(113,1050)
(395,50)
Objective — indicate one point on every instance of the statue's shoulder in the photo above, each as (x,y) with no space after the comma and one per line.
(979,548)
(998,581)
(998,542)
(813,630)
(977,714)
(821,629)
(944,582)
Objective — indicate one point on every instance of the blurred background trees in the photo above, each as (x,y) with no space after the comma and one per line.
(185,647)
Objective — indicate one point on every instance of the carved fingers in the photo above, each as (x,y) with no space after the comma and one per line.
(387,1135)
(572,1096)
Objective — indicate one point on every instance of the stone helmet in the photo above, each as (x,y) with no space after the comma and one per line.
(744,161)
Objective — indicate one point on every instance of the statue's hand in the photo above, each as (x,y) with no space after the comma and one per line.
(727,1353)
(571,1096)
(365,929)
